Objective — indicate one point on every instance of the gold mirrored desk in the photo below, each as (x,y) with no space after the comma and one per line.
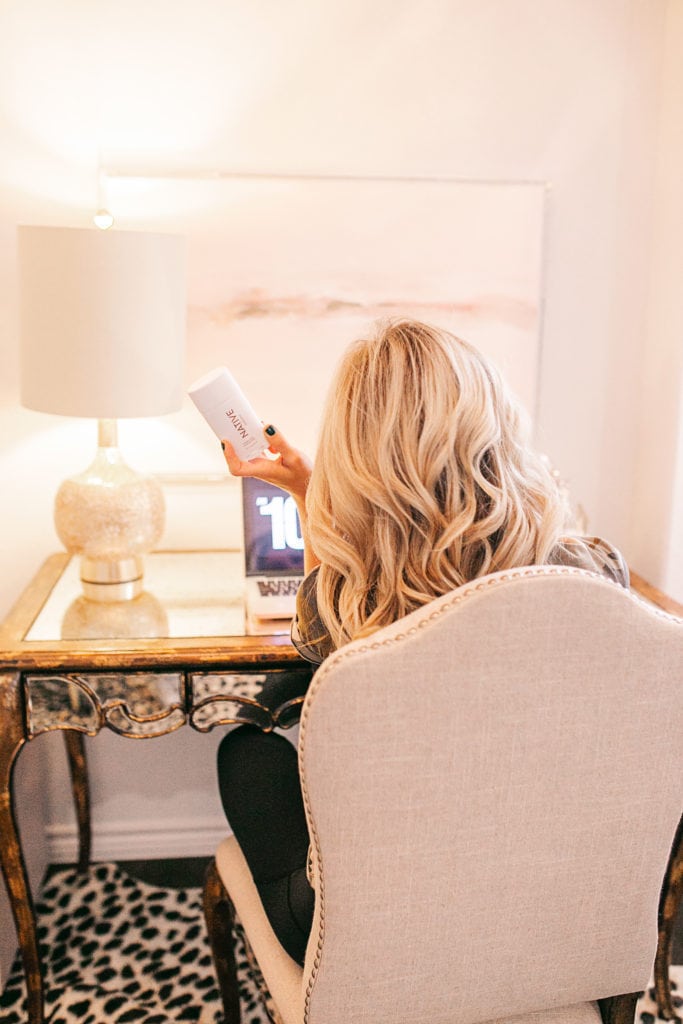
(180,653)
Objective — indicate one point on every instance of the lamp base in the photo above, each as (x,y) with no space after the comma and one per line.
(118,580)
(111,516)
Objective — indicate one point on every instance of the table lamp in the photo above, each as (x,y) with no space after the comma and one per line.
(102,326)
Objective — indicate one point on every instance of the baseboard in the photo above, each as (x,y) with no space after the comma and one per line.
(127,840)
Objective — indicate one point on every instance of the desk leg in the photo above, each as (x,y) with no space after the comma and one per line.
(12,739)
(669,905)
(75,749)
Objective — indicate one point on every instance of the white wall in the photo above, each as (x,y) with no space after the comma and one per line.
(656,540)
(673,582)
(563,91)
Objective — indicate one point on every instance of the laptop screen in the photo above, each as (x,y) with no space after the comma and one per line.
(273,545)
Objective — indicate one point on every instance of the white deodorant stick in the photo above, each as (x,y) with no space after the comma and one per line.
(223,405)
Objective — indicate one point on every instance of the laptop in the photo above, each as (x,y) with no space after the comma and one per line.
(273,550)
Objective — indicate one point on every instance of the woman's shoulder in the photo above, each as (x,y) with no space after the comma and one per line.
(308,634)
(592,553)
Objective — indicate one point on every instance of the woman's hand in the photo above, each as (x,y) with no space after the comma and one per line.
(291,470)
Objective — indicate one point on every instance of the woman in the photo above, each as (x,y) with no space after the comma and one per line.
(423,481)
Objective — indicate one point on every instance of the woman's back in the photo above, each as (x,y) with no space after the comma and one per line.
(423,480)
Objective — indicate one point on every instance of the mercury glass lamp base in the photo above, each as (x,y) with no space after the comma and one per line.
(111,516)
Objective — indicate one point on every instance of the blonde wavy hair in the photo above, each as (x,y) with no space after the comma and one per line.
(423,480)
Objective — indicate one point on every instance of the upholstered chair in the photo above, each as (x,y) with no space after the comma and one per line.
(492,786)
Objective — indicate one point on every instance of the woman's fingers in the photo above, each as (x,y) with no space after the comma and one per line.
(233,462)
(291,470)
(240,467)
(294,466)
(278,443)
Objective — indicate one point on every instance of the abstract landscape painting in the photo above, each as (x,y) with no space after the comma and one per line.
(285,271)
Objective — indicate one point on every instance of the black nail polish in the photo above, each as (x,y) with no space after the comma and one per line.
(270,430)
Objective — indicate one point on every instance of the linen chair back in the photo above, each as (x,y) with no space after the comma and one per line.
(492,787)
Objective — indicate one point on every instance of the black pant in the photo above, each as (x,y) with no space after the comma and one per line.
(259,784)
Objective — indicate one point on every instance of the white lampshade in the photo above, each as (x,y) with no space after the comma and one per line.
(103,336)
(102,317)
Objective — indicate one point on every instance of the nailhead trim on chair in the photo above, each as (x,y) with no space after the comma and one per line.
(465,591)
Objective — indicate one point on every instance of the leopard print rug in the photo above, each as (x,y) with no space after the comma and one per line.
(119,951)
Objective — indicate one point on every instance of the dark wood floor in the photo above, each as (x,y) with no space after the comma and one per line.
(176,874)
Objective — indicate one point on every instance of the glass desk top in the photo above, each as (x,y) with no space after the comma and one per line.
(181,652)
(186,594)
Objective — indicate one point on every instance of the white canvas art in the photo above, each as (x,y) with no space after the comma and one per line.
(285,272)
